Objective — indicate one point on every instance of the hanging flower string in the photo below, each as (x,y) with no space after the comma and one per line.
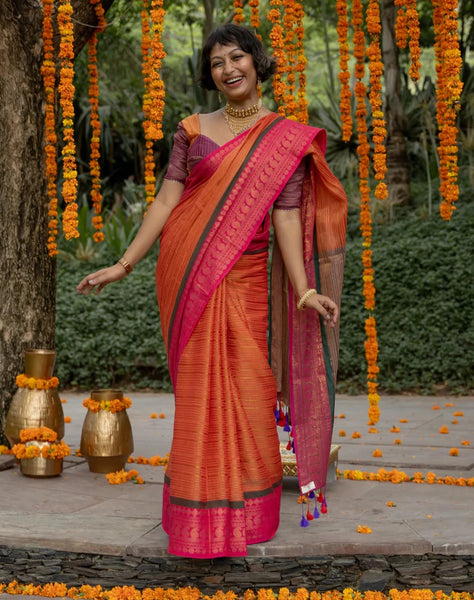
(374,54)
(66,97)
(154,94)
(289,99)
(301,61)
(344,74)
(401,25)
(48,72)
(413,24)
(94,165)
(276,39)
(255,15)
(448,94)
(363,150)
(238,12)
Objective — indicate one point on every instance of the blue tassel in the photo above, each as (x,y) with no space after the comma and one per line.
(287,425)
(316,513)
(277,415)
(304,521)
(293,447)
(312,494)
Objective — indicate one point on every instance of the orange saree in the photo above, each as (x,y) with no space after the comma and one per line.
(223,483)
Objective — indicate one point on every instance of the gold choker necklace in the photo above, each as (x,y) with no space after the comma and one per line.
(240,119)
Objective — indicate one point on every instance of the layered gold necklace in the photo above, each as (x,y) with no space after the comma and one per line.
(241,119)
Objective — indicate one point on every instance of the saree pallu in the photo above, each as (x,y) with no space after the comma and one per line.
(223,483)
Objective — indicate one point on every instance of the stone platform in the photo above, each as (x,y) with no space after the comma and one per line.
(78,528)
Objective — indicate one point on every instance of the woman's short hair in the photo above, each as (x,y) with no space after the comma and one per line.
(225,35)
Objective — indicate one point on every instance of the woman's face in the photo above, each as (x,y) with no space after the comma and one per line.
(234,73)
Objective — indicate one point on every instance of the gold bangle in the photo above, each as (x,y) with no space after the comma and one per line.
(126,265)
(302,301)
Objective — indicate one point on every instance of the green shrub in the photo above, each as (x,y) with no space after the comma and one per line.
(424,306)
(424,313)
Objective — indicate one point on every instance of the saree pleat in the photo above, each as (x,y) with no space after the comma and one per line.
(223,482)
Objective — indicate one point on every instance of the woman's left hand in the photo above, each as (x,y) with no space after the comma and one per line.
(326,307)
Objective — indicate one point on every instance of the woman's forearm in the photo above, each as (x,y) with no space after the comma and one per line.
(154,221)
(289,234)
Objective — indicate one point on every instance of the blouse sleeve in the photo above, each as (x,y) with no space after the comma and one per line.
(178,166)
(290,196)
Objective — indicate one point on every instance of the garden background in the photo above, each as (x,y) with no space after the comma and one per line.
(423,265)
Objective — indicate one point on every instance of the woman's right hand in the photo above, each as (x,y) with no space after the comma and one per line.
(100,279)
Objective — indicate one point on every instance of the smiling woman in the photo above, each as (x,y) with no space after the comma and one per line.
(228,170)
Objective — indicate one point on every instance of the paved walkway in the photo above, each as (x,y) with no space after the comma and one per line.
(81,512)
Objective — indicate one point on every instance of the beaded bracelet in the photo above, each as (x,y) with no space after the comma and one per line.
(126,265)
(302,301)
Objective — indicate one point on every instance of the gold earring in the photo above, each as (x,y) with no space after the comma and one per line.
(259,86)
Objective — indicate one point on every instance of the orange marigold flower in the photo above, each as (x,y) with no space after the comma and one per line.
(449,404)
(444,429)
(397,442)
(153,416)
(403,421)
(363,529)
(454,421)
(395,429)
(373,430)
(435,407)
(342,433)
(162,416)
(377,453)
(67,419)
(459,413)
(454,452)
(355,435)
(391,503)
(341,416)
(63,400)
(466,443)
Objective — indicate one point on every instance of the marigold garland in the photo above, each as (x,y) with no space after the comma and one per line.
(363,150)
(396,476)
(379,131)
(94,164)
(88,592)
(66,97)
(123,476)
(40,434)
(154,93)
(255,15)
(34,383)
(301,61)
(344,74)
(48,72)
(238,12)
(401,25)
(448,94)
(50,447)
(289,46)
(113,406)
(276,39)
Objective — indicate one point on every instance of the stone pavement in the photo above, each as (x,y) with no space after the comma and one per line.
(80,512)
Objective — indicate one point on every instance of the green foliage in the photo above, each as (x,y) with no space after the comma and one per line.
(424,306)
(114,338)
(423,276)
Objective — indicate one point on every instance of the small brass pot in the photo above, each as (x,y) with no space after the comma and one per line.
(106,439)
(40,466)
(35,408)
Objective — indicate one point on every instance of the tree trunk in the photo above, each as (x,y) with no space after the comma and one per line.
(28,274)
(397,159)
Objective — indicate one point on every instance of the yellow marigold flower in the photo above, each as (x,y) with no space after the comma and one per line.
(428,516)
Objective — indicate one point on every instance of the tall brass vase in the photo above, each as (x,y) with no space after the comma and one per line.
(35,408)
(107,439)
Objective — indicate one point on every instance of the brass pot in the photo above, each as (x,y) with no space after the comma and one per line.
(106,439)
(39,466)
(35,408)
